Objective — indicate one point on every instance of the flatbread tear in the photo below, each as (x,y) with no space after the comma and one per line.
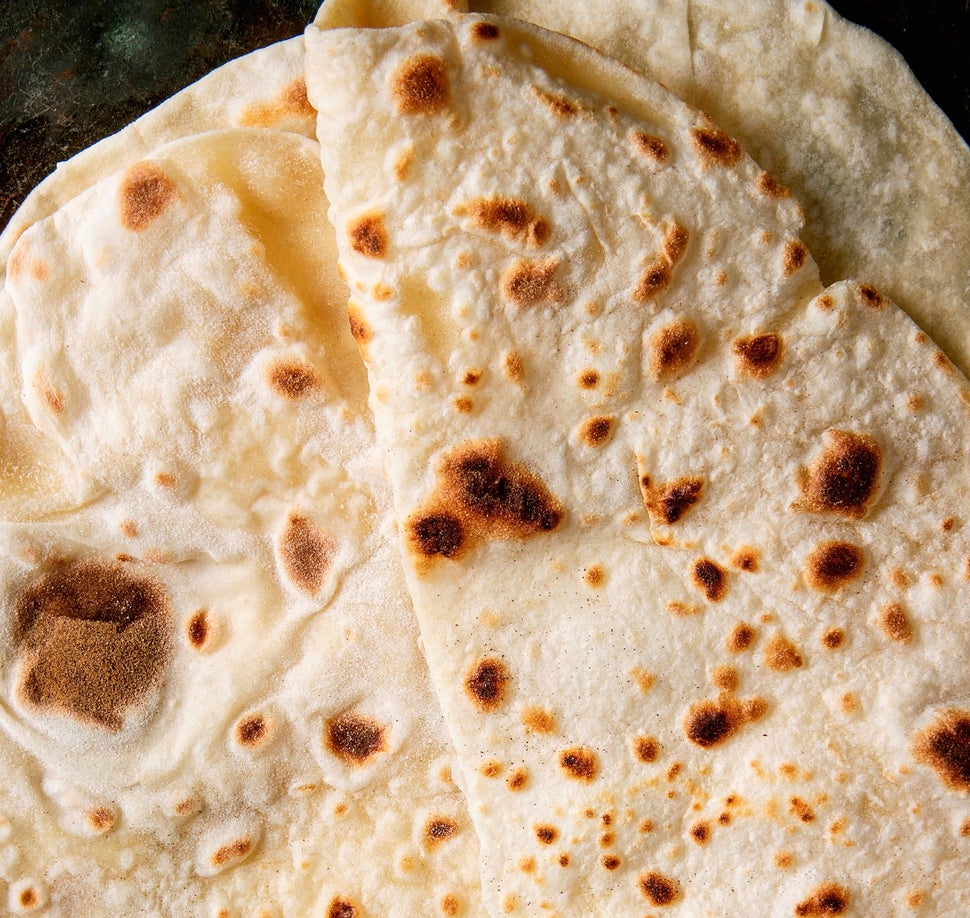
(683,529)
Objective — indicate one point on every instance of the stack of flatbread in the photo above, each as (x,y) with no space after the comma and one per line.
(523,527)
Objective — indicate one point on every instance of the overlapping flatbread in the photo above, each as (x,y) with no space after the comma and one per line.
(684,531)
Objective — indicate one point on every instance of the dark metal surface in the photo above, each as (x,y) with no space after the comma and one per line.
(73,71)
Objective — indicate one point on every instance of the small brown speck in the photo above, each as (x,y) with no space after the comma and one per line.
(464,404)
(800,809)
(514,368)
(673,349)
(650,146)
(517,780)
(595,576)
(486,31)
(725,678)
(740,638)
(342,908)
(355,739)
(579,763)
(770,188)
(546,834)
(746,559)
(490,769)
(252,730)
(527,283)
(832,565)
(563,860)
(233,851)
(758,356)
(559,105)
(700,832)
(450,904)
(610,861)
(472,377)
(870,297)
(784,859)
(646,749)
(420,86)
(596,431)
(368,235)
(794,256)
(101,820)
(895,623)
(710,578)
(588,379)
(833,638)
(655,279)
(538,720)
(439,829)
(145,194)
(658,889)
(487,683)
(781,655)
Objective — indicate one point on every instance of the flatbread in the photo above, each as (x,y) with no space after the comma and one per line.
(692,588)
(202,708)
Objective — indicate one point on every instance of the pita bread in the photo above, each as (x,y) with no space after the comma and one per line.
(691,587)
(202,709)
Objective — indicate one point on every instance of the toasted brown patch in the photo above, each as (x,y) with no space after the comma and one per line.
(527,283)
(485,31)
(558,104)
(700,832)
(514,368)
(655,279)
(340,907)
(439,829)
(827,899)
(306,553)
(844,479)
(94,641)
(588,379)
(292,101)
(538,720)
(669,502)
(437,534)
(895,623)
(509,216)
(518,779)
(710,723)
(675,242)
(101,819)
(596,431)
(487,684)
(490,769)
(252,730)
(793,256)
(368,235)
(945,747)
(579,763)
(359,328)
(52,397)
(658,889)
(234,851)
(292,380)
(833,638)
(450,904)
(144,195)
(610,862)
(740,638)
(746,559)
(673,349)
(646,749)
(870,297)
(710,578)
(546,834)
(715,148)
(650,146)
(781,655)
(833,565)
(758,355)
(354,738)
(725,678)
(420,86)
(770,188)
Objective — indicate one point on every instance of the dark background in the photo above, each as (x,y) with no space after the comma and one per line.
(73,71)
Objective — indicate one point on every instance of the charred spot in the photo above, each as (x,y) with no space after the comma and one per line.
(517,780)
(439,829)
(659,889)
(828,899)
(700,832)
(527,283)
(596,431)
(472,377)
(579,763)
(487,684)
(368,236)
(832,565)
(547,834)
(758,355)
(646,749)
(710,578)
(746,559)
(833,638)
(420,86)
(895,623)
(870,297)
(781,655)
(655,279)
(563,860)
(709,723)
(197,629)
(340,907)
(715,148)
(588,379)
(650,146)
(234,851)
(610,862)
(94,641)
(293,380)
(800,809)
(945,747)
(669,503)
(252,730)
(486,31)
(354,738)
(673,349)
(145,194)
(844,478)
(793,256)
(770,188)
(559,105)
(28,897)
(740,638)
(306,553)
(437,534)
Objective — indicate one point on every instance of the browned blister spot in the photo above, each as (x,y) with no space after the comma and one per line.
(746,559)
(895,623)
(514,368)
(538,720)
(94,641)
(233,851)
(658,889)
(781,655)
(715,148)
(355,738)
(28,897)
(546,834)
(801,810)
(710,578)
(487,684)
(306,553)
(844,479)
(870,297)
(832,565)
(596,431)
(675,242)
(610,862)
(52,397)
(709,723)
(646,748)
(436,534)
(650,146)
(945,747)
(292,380)
(340,907)
(198,630)
(758,355)
(439,829)
(101,819)
(740,638)
(588,379)
(509,216)
(700,832)
(517,780)
(527,283)
(485,31)
(595,576)
(420,86)
(794,255)
(725,678)
(292,101)
(558,104)
(673,349)
(828,899)
(368,235)
(359,328)
(965,828)
(770,187)
(833,638)
(252,730)
(472,377)
(579,763)
(144,195)
(669,502)
(490,769)
(784,859)
(655,279)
